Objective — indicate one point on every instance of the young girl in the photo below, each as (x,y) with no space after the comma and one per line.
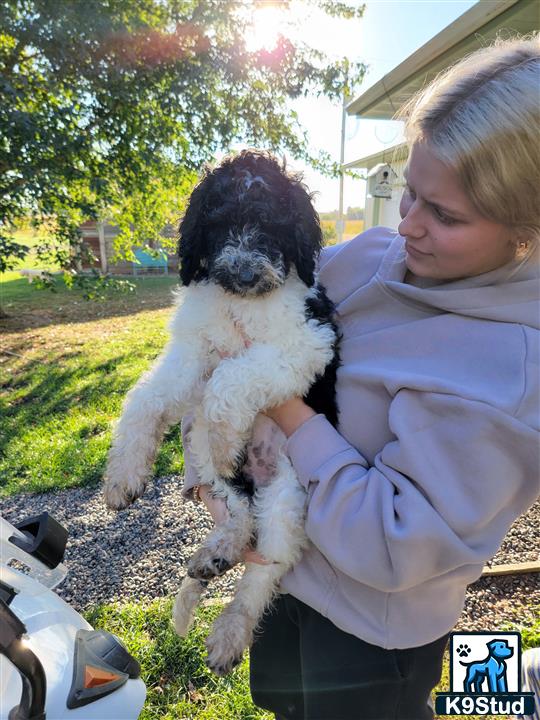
(437,449)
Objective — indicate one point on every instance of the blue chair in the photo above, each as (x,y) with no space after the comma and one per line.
(149,263)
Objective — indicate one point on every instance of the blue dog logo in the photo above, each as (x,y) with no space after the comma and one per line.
(492,669)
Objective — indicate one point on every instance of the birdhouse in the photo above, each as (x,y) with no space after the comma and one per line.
(380,180)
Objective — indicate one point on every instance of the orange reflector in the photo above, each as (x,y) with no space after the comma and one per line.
(93,677)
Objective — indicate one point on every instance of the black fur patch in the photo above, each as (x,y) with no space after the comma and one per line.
(322,394)
(242,484)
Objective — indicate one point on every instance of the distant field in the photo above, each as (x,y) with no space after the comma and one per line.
(31,238)
(352,228)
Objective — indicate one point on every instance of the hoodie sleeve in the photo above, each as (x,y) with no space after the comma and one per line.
(441,495)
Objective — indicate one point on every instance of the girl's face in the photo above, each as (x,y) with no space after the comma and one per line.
(445,236)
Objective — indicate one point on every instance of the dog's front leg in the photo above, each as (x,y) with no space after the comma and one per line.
(238,389)
(157,401)
(262,377)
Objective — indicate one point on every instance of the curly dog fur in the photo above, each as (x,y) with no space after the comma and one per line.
(252,329)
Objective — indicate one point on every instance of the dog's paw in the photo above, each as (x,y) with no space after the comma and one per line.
(119,496)
(230,636)
(205,565)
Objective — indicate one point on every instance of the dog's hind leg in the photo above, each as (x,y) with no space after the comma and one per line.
(232,631)
(223,547)
(279,510)
(185,603)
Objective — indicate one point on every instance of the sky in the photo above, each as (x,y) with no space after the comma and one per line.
(389,32)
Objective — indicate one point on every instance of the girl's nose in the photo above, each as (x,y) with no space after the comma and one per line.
(412,224)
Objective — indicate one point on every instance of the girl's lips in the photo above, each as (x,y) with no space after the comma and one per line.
(414,251)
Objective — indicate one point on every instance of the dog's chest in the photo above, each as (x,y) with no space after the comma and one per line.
(238,328)
(239,322)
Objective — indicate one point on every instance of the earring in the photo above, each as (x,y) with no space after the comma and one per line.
(522,249)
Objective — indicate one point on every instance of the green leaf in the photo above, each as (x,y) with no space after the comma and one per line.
(109,108)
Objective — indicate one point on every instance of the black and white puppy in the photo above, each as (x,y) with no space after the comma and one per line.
(252,329)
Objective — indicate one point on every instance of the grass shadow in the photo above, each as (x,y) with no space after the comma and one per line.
(24,307)
(58,416)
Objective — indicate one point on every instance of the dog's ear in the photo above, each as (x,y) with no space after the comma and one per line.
(308,234)
(192,245)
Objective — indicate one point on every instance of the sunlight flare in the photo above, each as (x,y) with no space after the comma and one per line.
(268,22)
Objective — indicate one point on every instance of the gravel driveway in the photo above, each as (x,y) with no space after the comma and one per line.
(142,552)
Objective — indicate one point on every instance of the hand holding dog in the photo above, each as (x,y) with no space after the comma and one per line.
(290,415)
(217,507)
(261,454)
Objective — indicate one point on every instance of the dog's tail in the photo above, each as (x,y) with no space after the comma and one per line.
(185,604)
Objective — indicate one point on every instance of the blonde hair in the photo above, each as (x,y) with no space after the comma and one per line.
(482,118)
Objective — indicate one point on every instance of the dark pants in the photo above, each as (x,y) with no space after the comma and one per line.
(304,668)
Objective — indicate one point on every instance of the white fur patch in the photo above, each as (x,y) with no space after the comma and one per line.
(286,353)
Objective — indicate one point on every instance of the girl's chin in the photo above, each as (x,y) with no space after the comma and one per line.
(419,266)
(424,268)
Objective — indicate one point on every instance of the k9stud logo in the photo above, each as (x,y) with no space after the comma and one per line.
(485,676)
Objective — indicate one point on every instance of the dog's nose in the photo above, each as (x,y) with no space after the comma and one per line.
(246,275)
(221,565)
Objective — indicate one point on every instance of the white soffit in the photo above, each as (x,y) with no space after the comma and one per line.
(474,29)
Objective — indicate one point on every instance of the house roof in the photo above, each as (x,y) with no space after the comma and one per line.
(388,155)
(472,30)
(378,167)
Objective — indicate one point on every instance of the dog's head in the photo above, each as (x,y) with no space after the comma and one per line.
(500,649)
(247,222)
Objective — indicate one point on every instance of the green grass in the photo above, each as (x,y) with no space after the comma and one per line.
(66,367)
(31,238)
(530,636)
(178,683)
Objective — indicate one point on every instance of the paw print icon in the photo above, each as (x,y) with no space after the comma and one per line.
(463,650)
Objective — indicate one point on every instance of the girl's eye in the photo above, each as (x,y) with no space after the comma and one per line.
(442,217)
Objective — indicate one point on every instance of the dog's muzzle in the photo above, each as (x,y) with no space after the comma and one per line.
(247,273)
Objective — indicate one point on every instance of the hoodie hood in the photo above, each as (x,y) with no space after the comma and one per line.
(508,294)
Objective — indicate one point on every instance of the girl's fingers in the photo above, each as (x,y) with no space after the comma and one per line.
(217,507)
(252,556)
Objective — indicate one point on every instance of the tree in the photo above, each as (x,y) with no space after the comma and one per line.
(112,106)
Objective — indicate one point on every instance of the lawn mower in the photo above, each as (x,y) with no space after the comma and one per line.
(53,664)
